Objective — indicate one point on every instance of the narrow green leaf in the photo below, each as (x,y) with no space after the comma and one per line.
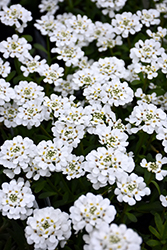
(28,38)
(10,76)
(39,186)
(21,78)
(46,194)
(158,222)
(131,217)
(153,243)
(154,231)
(40,47)
(135,82)
(157,186)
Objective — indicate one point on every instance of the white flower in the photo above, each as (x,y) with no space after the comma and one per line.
(131,188)
(33,65)
(31,114)
(152,117)
(159,35)
(65,87)
(15,15)
(162,135)
(90,211)
(52,73)
(64,36)
(9,114)
(110,6)
(58,104)
(146,51)
(104,165)
(70,55)
(149,70)
(47,25)
(155,167)
(17,199)
(100,115)
(162,61)
(126,23)
(47,227)
(110,66)
(113,138)
(83,28)
(163,200)
(51,6)
(113,237)
(87,77)
(50,157)
(28,91)
(68,132)
(76,115)
(4,3)
(6,92)
(15,47)
(149,17)
(116,93)
(16,154)
(74,167)
(145,98)
(4,68)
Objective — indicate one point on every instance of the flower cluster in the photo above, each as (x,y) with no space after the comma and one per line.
(17,200)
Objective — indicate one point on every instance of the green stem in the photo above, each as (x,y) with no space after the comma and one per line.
(129,43)
(44,130)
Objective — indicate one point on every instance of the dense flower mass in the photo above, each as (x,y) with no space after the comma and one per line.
(83,124)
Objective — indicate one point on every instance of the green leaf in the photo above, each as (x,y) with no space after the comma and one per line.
(21,78)
(154,231)
(158,222)
(39,186)
(28,38)
(10,76)
(40,47)
(46,194)
(131,217)
(136,82)
(153,243)
(157,186)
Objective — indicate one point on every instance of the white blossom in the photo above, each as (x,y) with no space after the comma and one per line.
(17,199)
(90,211)
(15,47)
(126,23)
(113,237)
(47,227)
(131,188)
(155,167)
